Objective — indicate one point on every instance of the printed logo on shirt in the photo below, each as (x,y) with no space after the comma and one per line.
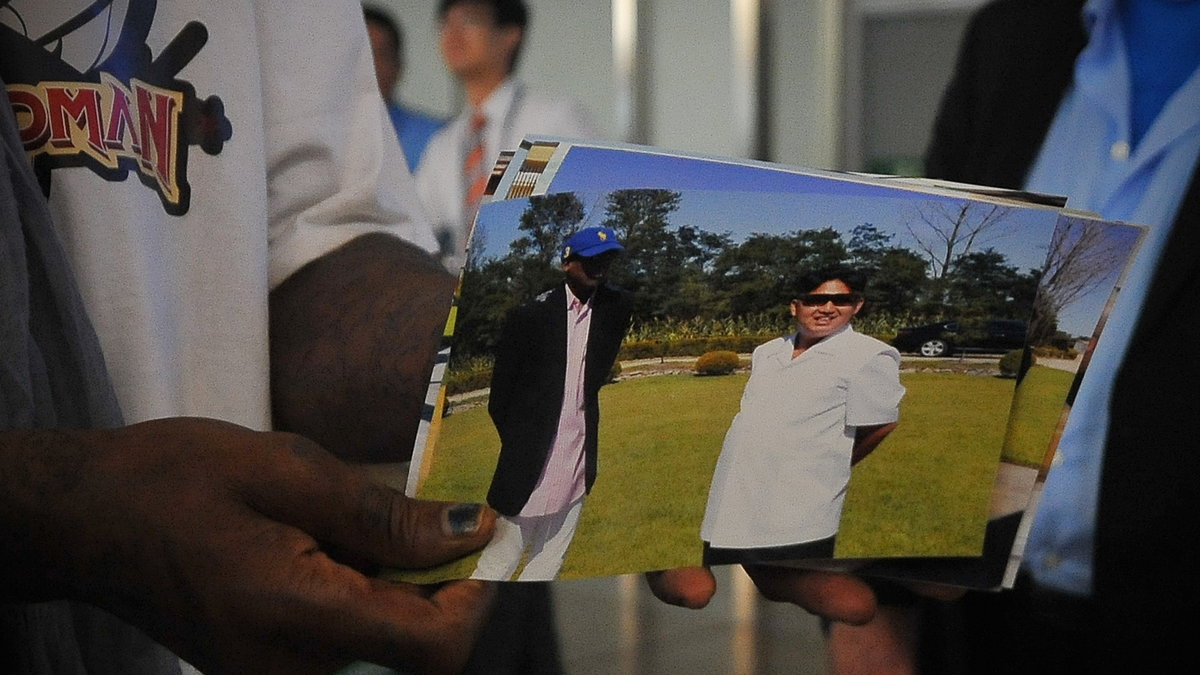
(87,91)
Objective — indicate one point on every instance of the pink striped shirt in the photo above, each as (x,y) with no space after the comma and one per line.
(563,477)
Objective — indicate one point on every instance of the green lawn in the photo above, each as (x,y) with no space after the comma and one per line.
(1038,408)
(923,492)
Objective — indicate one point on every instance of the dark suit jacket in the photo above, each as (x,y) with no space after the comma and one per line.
(527,386)
(1016,62)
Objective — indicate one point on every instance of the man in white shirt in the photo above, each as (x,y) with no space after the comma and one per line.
(481,41)
(818,401)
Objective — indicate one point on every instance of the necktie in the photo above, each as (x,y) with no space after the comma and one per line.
(475,174)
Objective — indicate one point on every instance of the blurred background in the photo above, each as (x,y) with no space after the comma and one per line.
(615,626)
(837,84)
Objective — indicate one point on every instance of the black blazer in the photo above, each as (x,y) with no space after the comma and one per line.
(1015,64)
(527,386)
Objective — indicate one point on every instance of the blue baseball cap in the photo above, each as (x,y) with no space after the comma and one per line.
(591,241)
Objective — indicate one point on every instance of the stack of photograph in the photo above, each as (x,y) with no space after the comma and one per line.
(657,359)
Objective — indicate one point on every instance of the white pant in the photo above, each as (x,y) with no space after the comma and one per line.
(546,538)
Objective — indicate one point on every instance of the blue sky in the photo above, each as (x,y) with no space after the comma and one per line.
(1079,318)
(1022,238)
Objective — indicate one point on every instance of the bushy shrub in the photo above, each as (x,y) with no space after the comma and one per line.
(615,372)
(469,375)
(693,346)
(644,349)
(1010,363)
(1062,341)
(1052,352)
(741,344)
(720,362)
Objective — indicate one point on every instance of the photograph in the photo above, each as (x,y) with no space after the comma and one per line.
(1086,264)
(732,375)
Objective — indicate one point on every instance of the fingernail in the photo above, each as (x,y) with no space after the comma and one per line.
(463,519)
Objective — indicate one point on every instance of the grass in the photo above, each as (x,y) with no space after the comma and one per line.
(923,492)
(1037,411)
(657,458)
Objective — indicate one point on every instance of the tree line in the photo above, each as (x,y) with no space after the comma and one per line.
(678,271)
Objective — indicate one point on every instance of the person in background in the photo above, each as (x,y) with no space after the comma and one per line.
(387,47)
(481,43)
(1098,101)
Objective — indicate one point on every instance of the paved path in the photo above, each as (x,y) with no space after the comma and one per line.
(1069,365)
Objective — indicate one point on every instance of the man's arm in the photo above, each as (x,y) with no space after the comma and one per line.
(866,439)
(353,338)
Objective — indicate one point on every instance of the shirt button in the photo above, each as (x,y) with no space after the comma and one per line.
(1051,561)
(1119,151)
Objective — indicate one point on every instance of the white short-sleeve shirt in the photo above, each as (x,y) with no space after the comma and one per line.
(782,474)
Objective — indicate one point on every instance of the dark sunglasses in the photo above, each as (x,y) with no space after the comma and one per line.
(838,299)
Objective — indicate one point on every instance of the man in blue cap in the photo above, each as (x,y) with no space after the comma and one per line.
(553,356)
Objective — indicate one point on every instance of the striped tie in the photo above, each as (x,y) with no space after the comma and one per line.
(475,175)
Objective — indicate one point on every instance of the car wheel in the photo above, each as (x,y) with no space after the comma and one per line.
(934,347)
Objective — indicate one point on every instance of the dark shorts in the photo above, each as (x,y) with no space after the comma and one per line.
(821,548)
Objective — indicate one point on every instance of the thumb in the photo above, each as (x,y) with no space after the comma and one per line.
(341,505)
(690,587)
(393,530)
(426,533)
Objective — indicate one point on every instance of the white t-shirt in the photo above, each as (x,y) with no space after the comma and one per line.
(176,241)
(782,473)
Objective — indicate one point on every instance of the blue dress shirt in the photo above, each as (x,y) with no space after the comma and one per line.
(1093,155)
(414,131)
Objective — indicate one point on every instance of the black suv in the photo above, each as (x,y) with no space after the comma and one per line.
(949,337)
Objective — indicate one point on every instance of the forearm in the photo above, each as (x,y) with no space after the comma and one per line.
(866,439)
(353,339)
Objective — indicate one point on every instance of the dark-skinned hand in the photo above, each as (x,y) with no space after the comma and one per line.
(215,540)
